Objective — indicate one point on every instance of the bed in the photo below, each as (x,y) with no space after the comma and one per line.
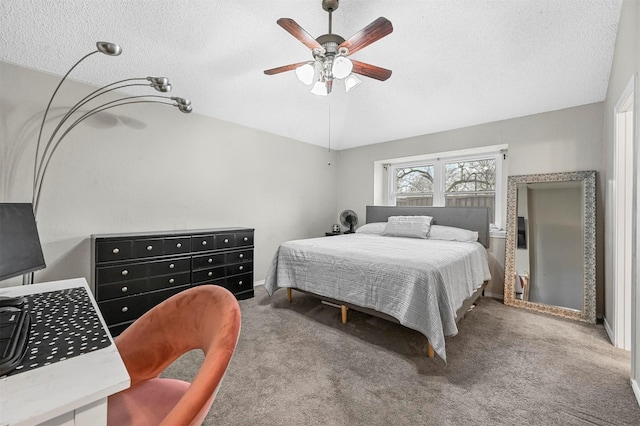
(426,284)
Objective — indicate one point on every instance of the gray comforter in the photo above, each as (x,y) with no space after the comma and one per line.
(421,283)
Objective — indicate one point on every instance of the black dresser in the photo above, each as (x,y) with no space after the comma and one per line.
(133,272)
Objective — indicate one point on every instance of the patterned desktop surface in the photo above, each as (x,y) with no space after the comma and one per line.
(64,324)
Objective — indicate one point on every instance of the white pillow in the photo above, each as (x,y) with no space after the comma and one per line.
(450,233)
(408,226)
(372,228)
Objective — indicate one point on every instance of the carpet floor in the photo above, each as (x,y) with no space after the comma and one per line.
(297,364)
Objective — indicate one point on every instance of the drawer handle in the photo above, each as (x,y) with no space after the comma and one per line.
(240,282)
(179,245)
(172,266)
(125,272)
(210,274)
(171,281)
(116,250)
(149,248)
(241,268)
(125,289)
(245,239)
(210,260)
(204,243)
(125,309)
(226,240)
(241,256)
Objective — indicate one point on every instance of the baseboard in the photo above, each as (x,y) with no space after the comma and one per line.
(494,295)
(636,390)
(609,331)
(257,283)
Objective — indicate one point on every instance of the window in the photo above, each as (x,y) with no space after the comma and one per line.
(414,185)
(455,181)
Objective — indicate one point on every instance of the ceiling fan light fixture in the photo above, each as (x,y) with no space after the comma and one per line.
(330,53)
(351,82)
(320,88)
(342,67)
(305,73)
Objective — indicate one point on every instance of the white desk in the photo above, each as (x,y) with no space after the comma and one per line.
(69,392)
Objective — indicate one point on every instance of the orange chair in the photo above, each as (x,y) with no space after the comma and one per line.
(205,317)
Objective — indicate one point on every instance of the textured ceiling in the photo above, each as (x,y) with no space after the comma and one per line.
(455,63)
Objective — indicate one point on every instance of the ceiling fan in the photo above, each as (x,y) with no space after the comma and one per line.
(330,54)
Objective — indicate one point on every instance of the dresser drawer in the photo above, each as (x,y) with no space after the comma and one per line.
(148,247)
(113,250)
(156,283)
(123,309)
(121,289)
(110,274)
(239,268)
(170,266)
(177,245)
(239,256)
(207,275)
(208,260)
(156,297)
(244,239)
(225,241)
(202,243)
(239,283)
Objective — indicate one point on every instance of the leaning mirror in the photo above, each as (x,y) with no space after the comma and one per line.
(551,243)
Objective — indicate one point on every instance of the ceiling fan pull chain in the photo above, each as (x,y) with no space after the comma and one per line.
(329,125)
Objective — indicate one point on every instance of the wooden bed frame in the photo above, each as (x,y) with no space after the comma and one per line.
(472,218)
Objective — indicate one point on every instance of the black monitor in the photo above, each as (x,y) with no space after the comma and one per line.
(20,249)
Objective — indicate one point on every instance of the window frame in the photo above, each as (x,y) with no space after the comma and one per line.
(439,176)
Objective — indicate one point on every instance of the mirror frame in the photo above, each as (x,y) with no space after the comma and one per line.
(588,178)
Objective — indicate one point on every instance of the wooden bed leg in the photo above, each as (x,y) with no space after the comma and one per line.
(344,313)
(430,352)
(289,294)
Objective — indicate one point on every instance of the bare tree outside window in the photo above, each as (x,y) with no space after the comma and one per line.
(414,186)
(467,183)
(471,184)
(471,176)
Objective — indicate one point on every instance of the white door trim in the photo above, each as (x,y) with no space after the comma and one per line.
(623,220)
(634,118)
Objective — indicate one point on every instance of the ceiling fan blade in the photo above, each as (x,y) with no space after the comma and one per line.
(296,30)
(284,68)
(372,71)
(370,34)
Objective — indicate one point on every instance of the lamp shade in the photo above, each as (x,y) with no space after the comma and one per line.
(320,88)
(342,67)
(109,48)
(305,73)
(351,81)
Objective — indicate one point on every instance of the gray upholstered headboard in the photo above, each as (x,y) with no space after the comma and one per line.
(472,218)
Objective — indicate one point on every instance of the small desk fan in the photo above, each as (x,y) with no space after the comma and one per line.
(349,218)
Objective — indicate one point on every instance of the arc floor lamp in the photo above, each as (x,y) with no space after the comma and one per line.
(76,114)
(160,84)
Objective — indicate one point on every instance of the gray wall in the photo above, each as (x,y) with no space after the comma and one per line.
(626,63)
(151,168)
(559,141)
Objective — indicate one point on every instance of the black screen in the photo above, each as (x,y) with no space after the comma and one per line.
(20,250)
(522,236)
